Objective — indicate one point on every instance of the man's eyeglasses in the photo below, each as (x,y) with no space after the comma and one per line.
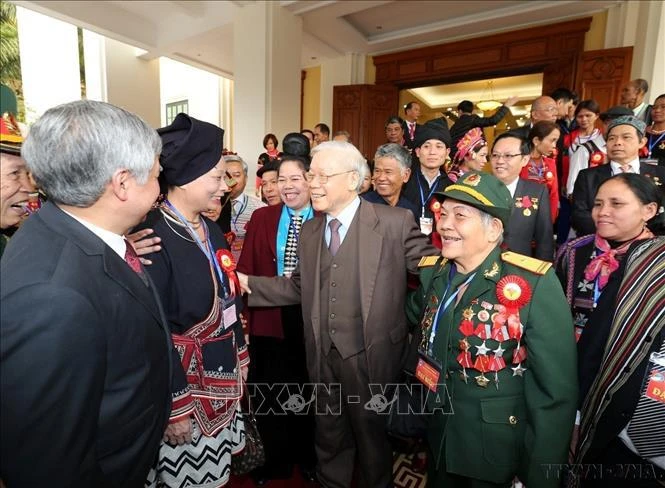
(323,179)
(505,157)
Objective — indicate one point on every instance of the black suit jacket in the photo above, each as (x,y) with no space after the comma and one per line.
(86,361)
(408,142)
(586,186)
(530,232)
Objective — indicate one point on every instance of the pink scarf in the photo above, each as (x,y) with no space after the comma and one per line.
(603,265)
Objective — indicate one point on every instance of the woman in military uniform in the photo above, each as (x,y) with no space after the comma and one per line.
(497,348)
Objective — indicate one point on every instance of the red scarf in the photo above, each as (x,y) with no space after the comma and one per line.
(603,265)
(274,154)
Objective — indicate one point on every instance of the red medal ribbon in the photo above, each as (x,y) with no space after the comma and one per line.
(484,331)
(230,237)
(519,355)
(597,158)
(466,327)
(513,292)
(496,363)
(228,265)
(464,358)
(482,363)
(435,207)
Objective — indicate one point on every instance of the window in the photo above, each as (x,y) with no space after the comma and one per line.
(174,108)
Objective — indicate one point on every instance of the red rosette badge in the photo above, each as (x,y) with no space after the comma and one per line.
(597,158)
(435,207)
(513,292)
(228,264)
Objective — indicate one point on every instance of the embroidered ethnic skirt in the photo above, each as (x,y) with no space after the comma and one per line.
(204,463)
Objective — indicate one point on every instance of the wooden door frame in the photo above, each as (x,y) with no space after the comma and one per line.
(552,49)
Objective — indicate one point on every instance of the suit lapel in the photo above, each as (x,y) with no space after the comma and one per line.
(122,274)
(368,262)
(114,266)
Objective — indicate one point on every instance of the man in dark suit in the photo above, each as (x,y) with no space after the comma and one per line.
(86,355)
(530,226)
(411,114)
(355,326)
(625,138)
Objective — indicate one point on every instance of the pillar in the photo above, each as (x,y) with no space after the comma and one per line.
(267,42)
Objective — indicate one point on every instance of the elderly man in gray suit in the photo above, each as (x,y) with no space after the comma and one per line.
(351,282)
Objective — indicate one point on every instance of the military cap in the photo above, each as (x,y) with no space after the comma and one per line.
(190,148)
(430,131)
(10,135)
(631,120)
(482,191)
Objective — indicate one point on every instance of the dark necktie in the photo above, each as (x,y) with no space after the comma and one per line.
(648,419)
(334,225)
(290,252)
(133,259)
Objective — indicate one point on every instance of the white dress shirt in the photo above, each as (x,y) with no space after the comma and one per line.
(111,239)
(634,165)
(345,217)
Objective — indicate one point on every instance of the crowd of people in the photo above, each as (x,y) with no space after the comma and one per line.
(520,283)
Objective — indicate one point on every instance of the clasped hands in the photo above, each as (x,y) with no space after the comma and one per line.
(244,283)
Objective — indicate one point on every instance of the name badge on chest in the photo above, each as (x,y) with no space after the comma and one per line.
(229,315)
(428,372)
(426,224)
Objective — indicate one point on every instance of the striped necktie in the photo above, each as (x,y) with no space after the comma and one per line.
(646,427)
(290,251)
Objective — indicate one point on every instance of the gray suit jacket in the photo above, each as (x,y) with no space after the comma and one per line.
(390,246)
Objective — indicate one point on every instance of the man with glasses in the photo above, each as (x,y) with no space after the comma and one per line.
(353,261)
(529,229)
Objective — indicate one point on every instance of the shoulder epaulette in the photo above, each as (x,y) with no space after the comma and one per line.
(526,262)
(426,261)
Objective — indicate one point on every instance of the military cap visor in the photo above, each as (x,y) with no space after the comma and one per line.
(482,191)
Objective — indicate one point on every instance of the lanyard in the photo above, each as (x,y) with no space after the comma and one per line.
(652,145)
(242,209)
(206,250)
(443,306)
(423,201)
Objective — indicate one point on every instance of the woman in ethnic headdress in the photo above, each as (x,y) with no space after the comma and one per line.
(541,167)
(588,148)
(471,154)
(194,275)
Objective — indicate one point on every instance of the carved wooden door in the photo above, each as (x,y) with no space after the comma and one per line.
(602,73)
(362,110)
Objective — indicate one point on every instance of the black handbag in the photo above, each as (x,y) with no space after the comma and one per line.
(408,418)
(254,454)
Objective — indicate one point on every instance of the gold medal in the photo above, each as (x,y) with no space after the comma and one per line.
(468,313)
(482,380)
(527,212)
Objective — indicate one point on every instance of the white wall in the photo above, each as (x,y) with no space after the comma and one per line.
(200,88)
(344,70)
(132,83)
(49,62)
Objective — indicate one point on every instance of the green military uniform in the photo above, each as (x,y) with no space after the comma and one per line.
(512,389)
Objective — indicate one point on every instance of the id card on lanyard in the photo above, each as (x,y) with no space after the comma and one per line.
(228,302)
(426,223)
(429,368)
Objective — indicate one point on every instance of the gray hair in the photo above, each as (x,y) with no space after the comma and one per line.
(233,158)
(349,156)
(486,219)
(397,152)
(74,149)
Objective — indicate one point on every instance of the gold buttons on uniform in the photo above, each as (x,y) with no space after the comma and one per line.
(512,420)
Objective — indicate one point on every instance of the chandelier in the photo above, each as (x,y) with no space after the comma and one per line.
(489,104)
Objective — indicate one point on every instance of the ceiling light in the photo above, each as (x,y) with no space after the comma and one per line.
(489,104)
